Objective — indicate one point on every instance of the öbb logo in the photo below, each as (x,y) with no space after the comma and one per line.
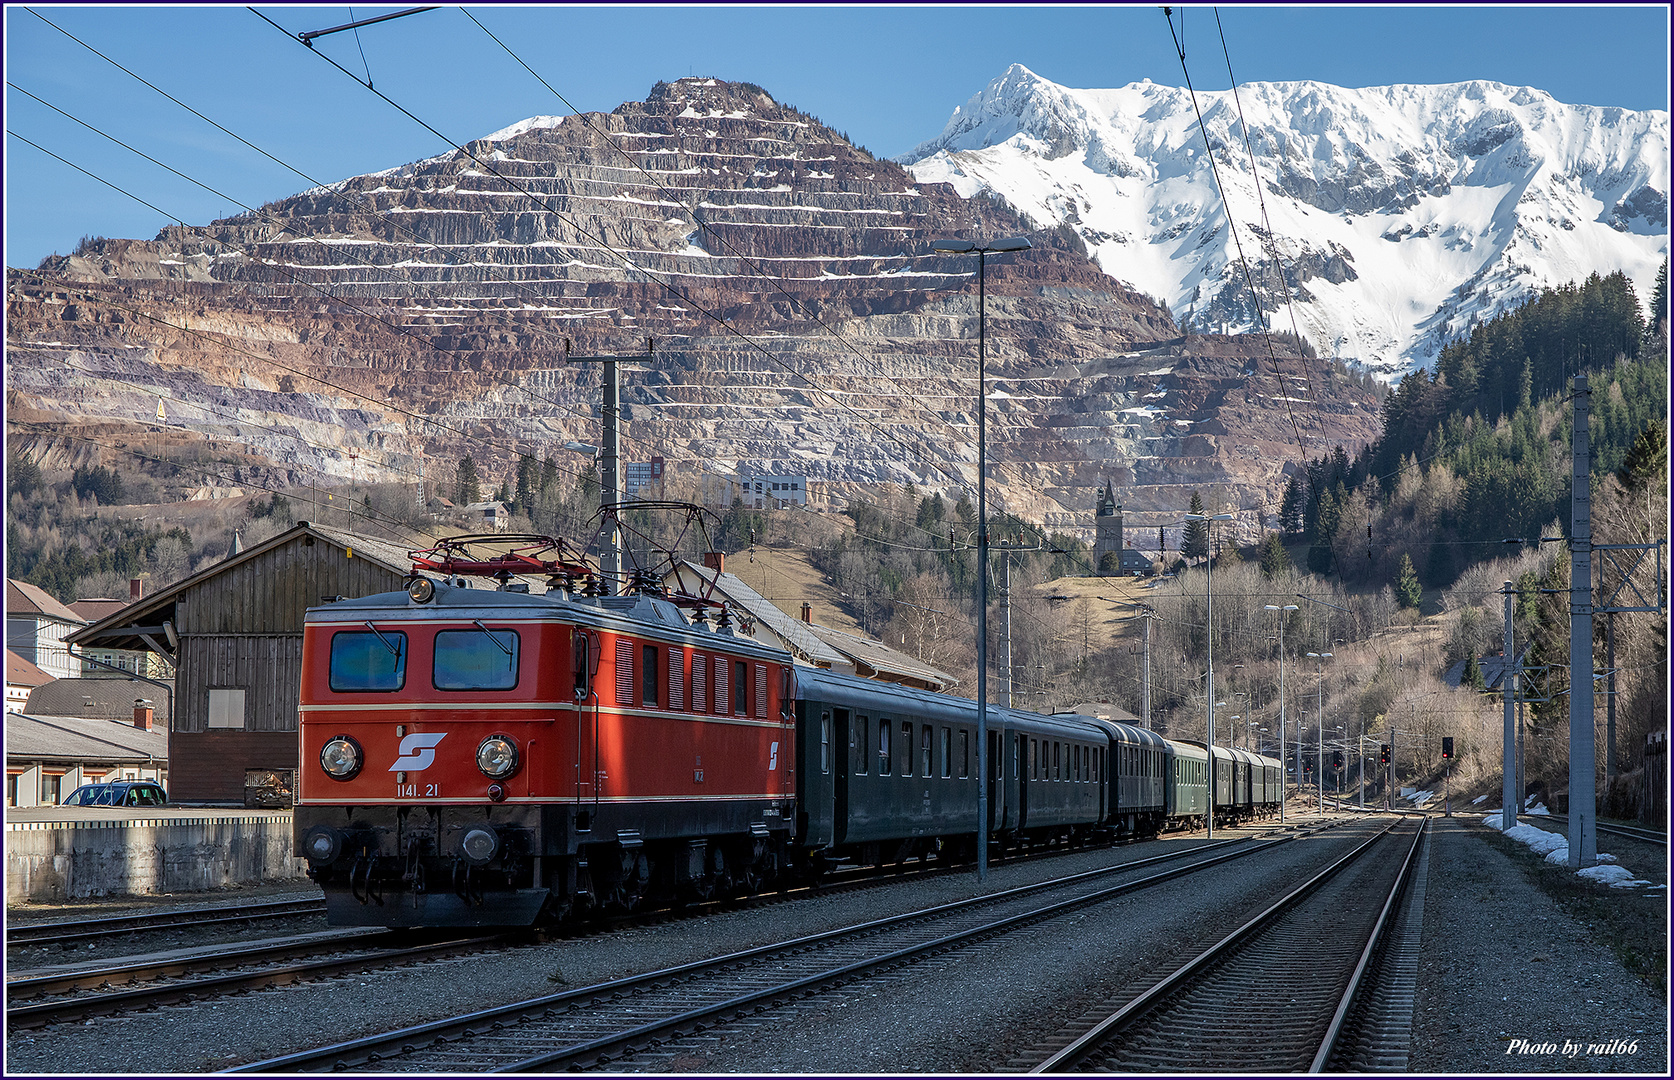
(418,751)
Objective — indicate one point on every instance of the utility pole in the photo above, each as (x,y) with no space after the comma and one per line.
(1508,785)
(610,454)
(1005,624)
(1583,807)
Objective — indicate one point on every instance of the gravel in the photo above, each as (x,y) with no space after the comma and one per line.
(940,1015)
(1509,980)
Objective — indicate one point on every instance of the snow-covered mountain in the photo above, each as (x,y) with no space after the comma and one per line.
(1401,215)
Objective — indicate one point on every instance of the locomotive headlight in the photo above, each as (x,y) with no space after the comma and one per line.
(497,757)
(341,758)
(421,590)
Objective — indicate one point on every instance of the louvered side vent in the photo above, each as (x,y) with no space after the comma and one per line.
(624,673)
(700,683)
(761,691)
(676,679)
(720,684)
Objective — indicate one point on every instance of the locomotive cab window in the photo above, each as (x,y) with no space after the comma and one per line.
(368,660)
(477,659)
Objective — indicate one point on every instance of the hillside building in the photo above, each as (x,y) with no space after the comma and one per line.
(1111,555)
(37,626)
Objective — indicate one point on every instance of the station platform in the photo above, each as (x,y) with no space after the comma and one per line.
(64,853)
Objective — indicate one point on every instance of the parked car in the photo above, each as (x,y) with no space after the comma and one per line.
(119,793)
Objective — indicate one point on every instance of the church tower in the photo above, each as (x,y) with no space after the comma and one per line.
(1107,539)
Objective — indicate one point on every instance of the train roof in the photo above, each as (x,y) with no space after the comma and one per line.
(1121,733)
(636,613)
(853,692)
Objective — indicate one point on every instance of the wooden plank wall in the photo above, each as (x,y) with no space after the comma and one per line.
(267,667)
(268,593)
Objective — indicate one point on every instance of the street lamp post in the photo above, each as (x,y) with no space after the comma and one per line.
(970,247)
(1209,623)
(1284,780)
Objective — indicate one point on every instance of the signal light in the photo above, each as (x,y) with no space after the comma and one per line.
(1447,747)
(1336,759)
(1386,753)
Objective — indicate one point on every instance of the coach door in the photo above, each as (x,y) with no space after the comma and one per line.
(585,666)
(843,762)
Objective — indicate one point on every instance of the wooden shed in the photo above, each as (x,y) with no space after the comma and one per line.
(233,633)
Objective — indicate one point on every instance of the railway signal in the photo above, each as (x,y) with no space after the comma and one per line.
(1385,748)
(1447,748)
(1336,759)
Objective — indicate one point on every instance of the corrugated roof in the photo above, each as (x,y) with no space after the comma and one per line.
(96,699)
(23,598)
(794,632)
(69,738)
(887,662)
(20,672)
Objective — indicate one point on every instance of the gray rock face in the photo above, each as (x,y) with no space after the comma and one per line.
(389,324)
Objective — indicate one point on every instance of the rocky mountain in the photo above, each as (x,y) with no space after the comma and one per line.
(384,326)
(1400,215)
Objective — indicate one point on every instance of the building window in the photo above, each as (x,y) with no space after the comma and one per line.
(226,707)
(50,783)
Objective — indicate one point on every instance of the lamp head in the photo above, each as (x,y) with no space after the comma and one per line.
(1014,243)
(959,246)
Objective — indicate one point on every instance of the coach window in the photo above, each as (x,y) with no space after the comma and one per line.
(476,659)
(964,754)
(906,749)
(1057,760)
(825,742)
(1032,774)
(648,676)
(862,757)
(924,750)
(947,753)
(364,660)
(883,748)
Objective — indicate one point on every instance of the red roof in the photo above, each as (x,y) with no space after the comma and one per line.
(94,609)
(20,672)
(23,598)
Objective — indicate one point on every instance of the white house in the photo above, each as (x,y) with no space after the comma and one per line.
(36,626)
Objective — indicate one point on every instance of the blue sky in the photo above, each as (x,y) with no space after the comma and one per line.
(888,76)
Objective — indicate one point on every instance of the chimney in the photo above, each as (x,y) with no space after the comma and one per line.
(716,561)
(135,588)
(807,612)
(143,714)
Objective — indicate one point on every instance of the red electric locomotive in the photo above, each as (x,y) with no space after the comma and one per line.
(473,756)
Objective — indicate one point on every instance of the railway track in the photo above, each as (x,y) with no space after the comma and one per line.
(1271,996)
(63,932)
(185,978)
(583,1028)
(1632,832)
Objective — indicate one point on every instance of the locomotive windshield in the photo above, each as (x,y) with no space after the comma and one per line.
(368,660)
(482,659)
